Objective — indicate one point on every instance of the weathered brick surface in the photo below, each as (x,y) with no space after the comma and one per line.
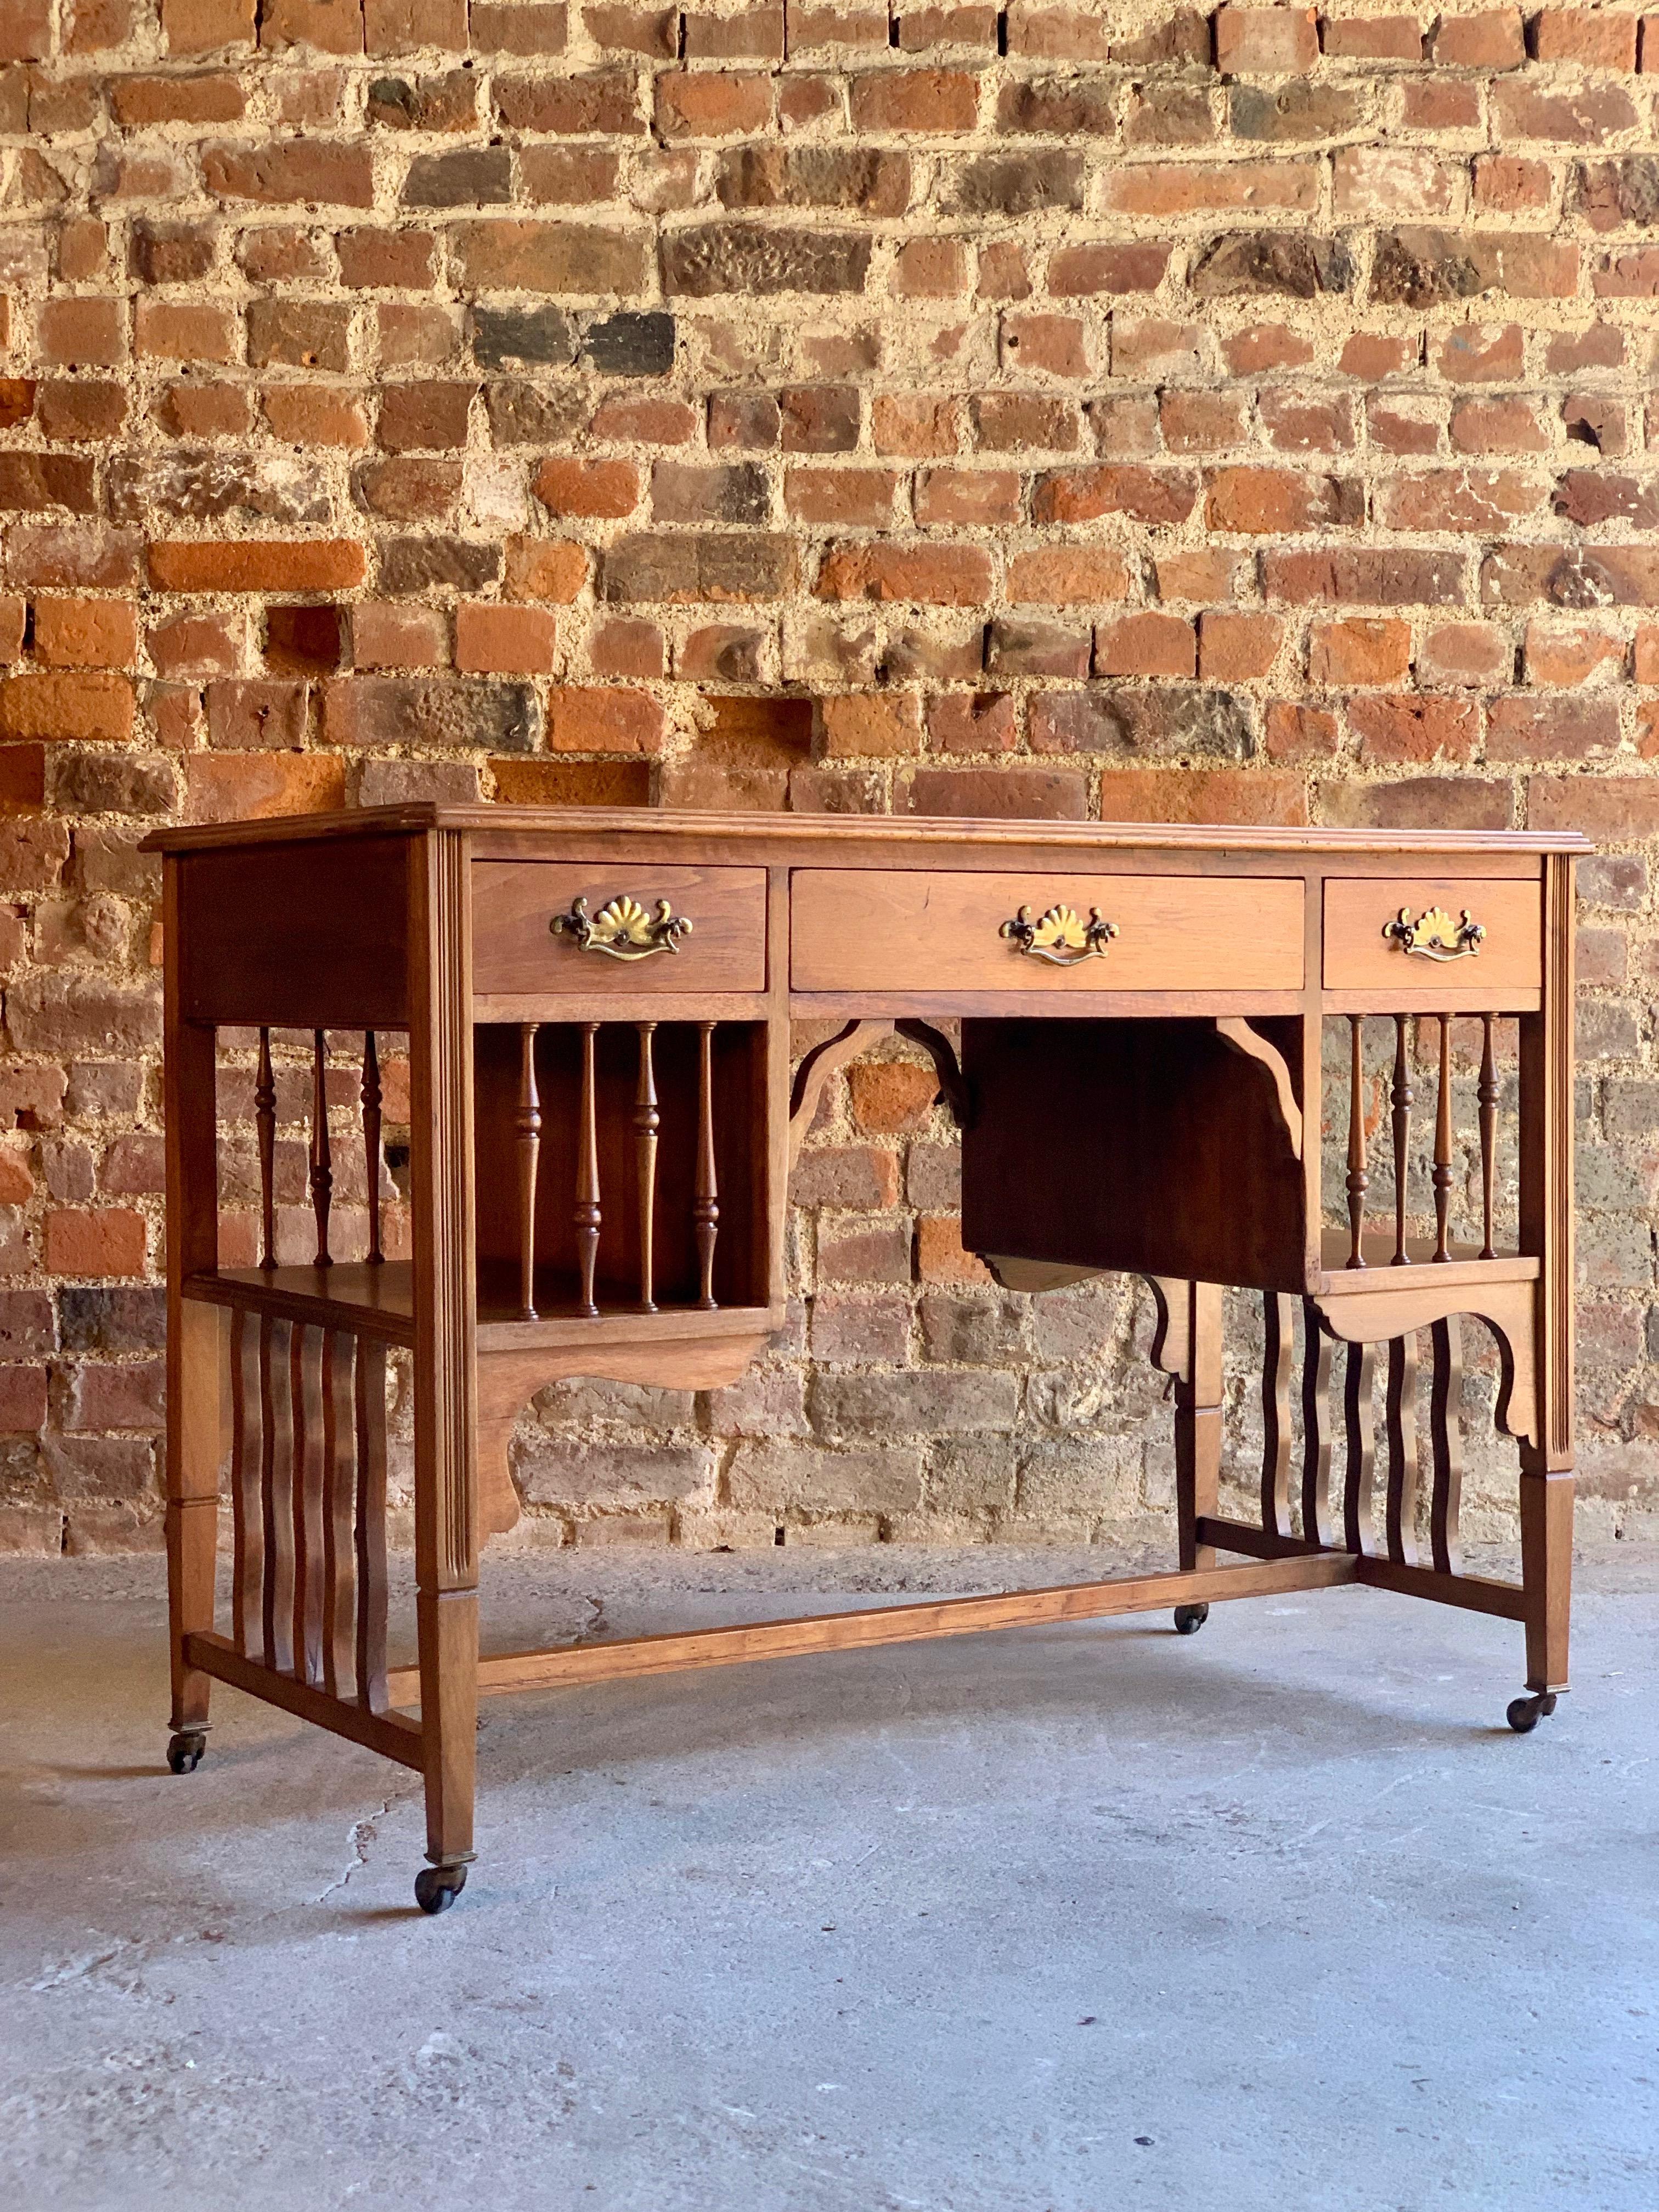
(1078,411)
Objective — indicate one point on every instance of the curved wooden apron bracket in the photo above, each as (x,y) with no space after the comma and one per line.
(1234,1030)
(1507,1308)
(507,1380)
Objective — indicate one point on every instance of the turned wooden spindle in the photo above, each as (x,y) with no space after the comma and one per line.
(1401,1099)
(530,1144)
(587,1176)
(705,1204)
(647,1122)
(1443,1145)
(1358,1181)
(1487,1093)
(370,1094)
(322,1159)
(264,1123)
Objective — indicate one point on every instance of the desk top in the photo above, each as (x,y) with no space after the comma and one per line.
(843,831)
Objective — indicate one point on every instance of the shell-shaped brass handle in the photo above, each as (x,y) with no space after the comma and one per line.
(1435,935)
(622,928)
(1061,936)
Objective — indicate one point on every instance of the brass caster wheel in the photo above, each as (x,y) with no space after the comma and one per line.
(185,1751)
(1525,1713)
(1189,1618)
(437,1887)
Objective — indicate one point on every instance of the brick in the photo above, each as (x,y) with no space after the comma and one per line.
(1139,794)
(937,575)
(1146,645)
(711,106)
(1489,41)
(108,1241)
(236,788)
(1414,728)
(1236,647)
(256,565)
(1036,794)
(1475,654)
(868,724)
(96,706)
(1603,38)
(597,489)
(708,259)
(199,27)
(302,171)
(85,633)
(1266,41)
(600,720)
(504,640)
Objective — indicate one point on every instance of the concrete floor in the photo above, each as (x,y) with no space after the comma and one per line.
(1278,1916)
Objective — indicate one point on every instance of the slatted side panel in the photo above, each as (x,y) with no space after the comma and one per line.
(1335,1395)
(307,1480)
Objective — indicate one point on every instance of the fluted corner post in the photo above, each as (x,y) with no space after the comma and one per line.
(1198,1424)
(705,1203)
(197,1352)
(445,1337)
(1547,1231)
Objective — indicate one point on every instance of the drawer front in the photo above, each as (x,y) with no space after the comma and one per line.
(864,930)
(515,950)
(1360,957)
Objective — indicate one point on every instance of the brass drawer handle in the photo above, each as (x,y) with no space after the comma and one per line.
(622,928)
(1061,936)
(1435,934)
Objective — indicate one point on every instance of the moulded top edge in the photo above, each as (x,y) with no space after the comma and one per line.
(830,830)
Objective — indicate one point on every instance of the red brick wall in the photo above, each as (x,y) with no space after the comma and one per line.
(1071,411)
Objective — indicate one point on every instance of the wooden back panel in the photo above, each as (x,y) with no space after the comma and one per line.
(1149,1146)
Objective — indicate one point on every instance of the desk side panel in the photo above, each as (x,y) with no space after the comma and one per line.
(307,936)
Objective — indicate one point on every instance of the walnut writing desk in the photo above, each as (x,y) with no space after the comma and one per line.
(597,1008)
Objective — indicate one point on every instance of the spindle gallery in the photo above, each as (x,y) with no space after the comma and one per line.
(596,1009)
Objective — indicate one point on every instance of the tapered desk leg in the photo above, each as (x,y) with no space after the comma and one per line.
(446,1382)
(1546,1501)
(1547,1228)
(198,1371)
(195,1392)
(1198,1425)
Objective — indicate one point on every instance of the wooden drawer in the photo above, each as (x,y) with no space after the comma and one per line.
(866,930)
(515,951)
(1360,957)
